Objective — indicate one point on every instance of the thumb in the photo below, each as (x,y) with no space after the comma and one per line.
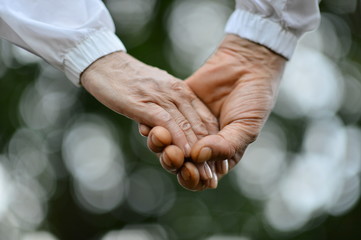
(230,142)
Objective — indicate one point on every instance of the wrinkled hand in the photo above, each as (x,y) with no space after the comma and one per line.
(239,85)
(149,96)
(193,176)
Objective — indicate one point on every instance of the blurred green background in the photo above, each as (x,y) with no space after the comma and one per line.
(72,169)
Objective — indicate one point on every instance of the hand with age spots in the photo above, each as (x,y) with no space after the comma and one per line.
(239,85)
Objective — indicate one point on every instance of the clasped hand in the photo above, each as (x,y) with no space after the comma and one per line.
(201,127)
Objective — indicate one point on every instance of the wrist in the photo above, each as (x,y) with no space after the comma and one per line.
(243,47)
(102,65)
(249,54)
(98,44)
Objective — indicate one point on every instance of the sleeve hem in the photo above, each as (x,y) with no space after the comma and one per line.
(263,31)
(94,47)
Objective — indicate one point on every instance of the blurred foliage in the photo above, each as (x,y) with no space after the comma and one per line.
(151,200)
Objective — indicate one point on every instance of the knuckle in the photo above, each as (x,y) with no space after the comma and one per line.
(184,125)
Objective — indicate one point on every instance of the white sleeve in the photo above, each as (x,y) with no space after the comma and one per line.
(68,34)
(277,24)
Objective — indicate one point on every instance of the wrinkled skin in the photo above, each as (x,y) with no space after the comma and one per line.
(149,96)
(239,85)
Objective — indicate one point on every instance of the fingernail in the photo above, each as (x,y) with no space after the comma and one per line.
(166,162)
(187,149)
(225,166)
(214,182)
(205,154)
(156,141)
(143,129)
(208,171)
(185,174)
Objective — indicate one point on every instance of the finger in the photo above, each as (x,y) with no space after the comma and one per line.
(172,158)
(222,167)
(184,125)
(203,122)
(158,139)
(197,128)
(184,101)
(157,116)
(233,138)
(205,172)
(188,176)
(199,187)
(234,160)
(207,117)
(143,130)
(212,183)
(166,167)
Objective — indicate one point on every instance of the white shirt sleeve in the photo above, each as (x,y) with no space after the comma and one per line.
(68,34)
(277,24)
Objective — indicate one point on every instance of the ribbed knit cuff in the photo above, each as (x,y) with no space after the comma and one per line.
(97,45)
(263,31)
